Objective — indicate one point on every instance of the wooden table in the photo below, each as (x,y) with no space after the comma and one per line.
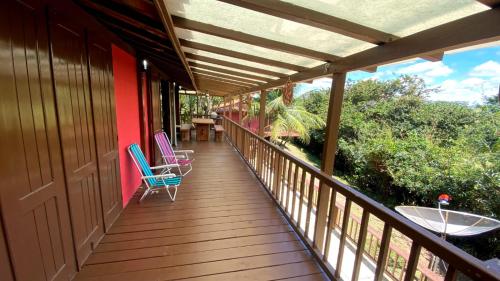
(202,128)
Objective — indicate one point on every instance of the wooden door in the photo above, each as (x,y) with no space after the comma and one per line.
(5,269)
(103,104)
(32,188)
(74,106)
(156,117)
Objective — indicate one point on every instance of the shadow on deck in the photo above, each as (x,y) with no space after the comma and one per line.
(223,226)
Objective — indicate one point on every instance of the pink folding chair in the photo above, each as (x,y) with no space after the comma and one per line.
(170,156)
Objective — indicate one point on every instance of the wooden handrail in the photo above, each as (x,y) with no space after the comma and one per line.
(267,168)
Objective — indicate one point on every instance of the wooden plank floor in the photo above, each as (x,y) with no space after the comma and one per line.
(223,226)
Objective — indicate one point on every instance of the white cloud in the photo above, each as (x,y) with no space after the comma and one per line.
(487,69)
(427,70)
(471,90)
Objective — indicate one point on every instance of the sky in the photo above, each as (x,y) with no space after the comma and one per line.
(466,75)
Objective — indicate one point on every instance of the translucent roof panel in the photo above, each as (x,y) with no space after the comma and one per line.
(236,60)
(234,69)
(194,68)
(266,26)
(398,17)
(245,48)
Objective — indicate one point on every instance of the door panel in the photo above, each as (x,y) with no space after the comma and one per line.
(32,189)
(103,104)
(74,109)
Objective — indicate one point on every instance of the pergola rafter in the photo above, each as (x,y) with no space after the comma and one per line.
(316,19)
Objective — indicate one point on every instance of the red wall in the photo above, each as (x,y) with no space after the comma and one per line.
(127,118)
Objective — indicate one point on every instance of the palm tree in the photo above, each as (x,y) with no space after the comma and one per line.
(288,120)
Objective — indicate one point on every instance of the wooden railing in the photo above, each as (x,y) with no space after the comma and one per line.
(291,182)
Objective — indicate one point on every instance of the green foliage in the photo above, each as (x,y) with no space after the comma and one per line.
(400,148)
(290,120)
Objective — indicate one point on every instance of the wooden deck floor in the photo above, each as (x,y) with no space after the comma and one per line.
(223,226)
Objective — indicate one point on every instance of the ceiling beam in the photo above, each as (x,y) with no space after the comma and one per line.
(238,55)
(169,27)
(315,19)
(198,74)
(250,39)
(472,30)
(231,72)
(234,65)
(201,71)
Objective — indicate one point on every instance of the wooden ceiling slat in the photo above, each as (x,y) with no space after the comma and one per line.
(201,71)
(238,55)
(472,30)
(234,65)
(210,76)
(250,39)
(316,19)
(227,71)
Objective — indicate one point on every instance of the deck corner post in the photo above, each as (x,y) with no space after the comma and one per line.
(328,158)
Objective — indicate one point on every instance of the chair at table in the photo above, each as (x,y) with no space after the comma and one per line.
(171,156)
(154,183)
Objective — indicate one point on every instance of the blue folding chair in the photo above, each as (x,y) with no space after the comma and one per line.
(154,183)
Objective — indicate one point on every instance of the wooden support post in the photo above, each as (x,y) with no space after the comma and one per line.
(262,112)
(231,105)
(329,148)
(240,107)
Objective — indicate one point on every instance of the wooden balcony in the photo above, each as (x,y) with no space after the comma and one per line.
(223,226)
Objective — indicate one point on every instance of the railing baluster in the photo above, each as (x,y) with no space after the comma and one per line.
(265,165)
(361,244)
(284,170)
(294,192)
(412,261)
(343,234)
(277,175)
(301,202)
(384,250)
(310,202)
(288,184)
(331,224)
